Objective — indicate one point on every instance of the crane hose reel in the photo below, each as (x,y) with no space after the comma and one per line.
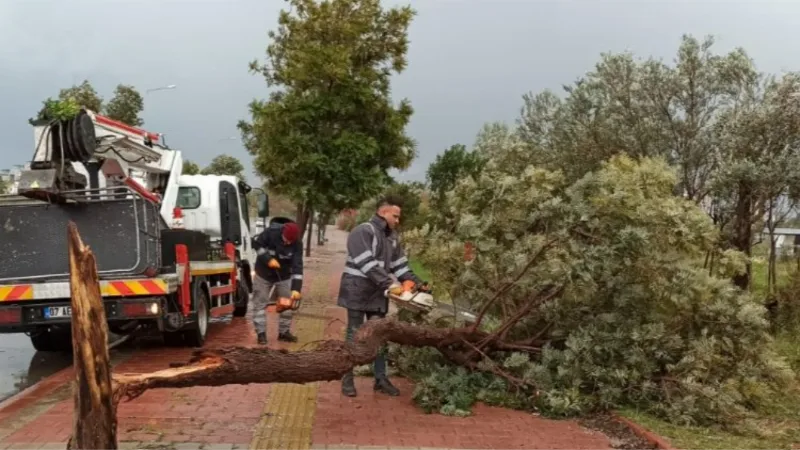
(74,139)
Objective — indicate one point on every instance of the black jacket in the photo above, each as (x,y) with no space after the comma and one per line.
(375,259)
(269,244)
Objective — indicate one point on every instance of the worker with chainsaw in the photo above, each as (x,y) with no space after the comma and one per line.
(376,266)
(278,278)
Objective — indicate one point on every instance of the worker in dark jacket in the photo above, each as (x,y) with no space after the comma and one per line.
(376,265)
(279,264)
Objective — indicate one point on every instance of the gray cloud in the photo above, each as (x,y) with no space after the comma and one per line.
(470,60)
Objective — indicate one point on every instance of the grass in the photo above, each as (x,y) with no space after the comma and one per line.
(779,431)
(760,266)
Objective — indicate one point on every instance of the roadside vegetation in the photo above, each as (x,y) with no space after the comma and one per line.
(617,236)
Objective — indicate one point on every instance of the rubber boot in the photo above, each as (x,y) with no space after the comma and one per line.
(262,338)
(383,385)
(349,385)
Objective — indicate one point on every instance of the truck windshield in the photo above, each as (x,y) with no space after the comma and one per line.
(188,197)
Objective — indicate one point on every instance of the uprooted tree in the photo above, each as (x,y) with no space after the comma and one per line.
(636,319)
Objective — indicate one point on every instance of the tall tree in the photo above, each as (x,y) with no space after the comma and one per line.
(126,105)
(3,186)
(224,165)
(329,133)
(190,168)
(712,117)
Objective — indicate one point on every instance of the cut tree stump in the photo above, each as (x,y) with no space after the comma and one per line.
(95,420)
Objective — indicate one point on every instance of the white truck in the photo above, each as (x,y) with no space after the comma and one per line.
(172,250)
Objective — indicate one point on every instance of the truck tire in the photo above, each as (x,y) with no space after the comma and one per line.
(195,336)
(52,340)
(241,300)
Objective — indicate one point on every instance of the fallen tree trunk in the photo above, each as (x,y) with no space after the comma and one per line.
(97,392)
(95,419)
(328,362)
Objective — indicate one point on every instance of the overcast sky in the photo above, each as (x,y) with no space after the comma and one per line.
(470,61)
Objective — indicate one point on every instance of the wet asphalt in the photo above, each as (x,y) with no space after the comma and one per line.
(22,366)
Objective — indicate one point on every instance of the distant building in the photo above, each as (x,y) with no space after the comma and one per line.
(10,177)
(787,240)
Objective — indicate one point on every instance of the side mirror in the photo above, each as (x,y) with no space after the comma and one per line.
(262,202)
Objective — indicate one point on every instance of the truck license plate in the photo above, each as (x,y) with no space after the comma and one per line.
(56,312)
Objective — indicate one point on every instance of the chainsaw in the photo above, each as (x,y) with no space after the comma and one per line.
(422,302)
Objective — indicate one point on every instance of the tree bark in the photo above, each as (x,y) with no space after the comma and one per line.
(95,419)
(743,233)
(328,362)
(310,230)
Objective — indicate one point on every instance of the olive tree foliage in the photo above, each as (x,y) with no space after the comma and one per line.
(125,106)
(721,125)
(599,283)
(329,132)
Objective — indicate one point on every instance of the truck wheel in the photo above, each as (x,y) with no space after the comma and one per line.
(240,303)
(196,335)
(52,340)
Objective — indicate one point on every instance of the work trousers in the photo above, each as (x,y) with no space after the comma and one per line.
(355,319)
(262,299)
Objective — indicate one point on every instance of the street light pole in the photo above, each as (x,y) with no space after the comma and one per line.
(162,88)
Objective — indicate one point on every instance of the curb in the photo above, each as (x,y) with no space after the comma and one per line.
(643,433)
(40,389)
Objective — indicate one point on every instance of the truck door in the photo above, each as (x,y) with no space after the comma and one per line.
(230,222)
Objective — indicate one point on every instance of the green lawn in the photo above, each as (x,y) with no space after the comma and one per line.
(759,273)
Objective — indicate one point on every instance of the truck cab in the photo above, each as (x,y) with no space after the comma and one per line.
(218,206)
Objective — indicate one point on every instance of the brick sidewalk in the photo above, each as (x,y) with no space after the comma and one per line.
(280,415)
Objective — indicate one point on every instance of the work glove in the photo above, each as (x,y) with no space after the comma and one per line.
(274,264)
(396,289)
(296,295)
